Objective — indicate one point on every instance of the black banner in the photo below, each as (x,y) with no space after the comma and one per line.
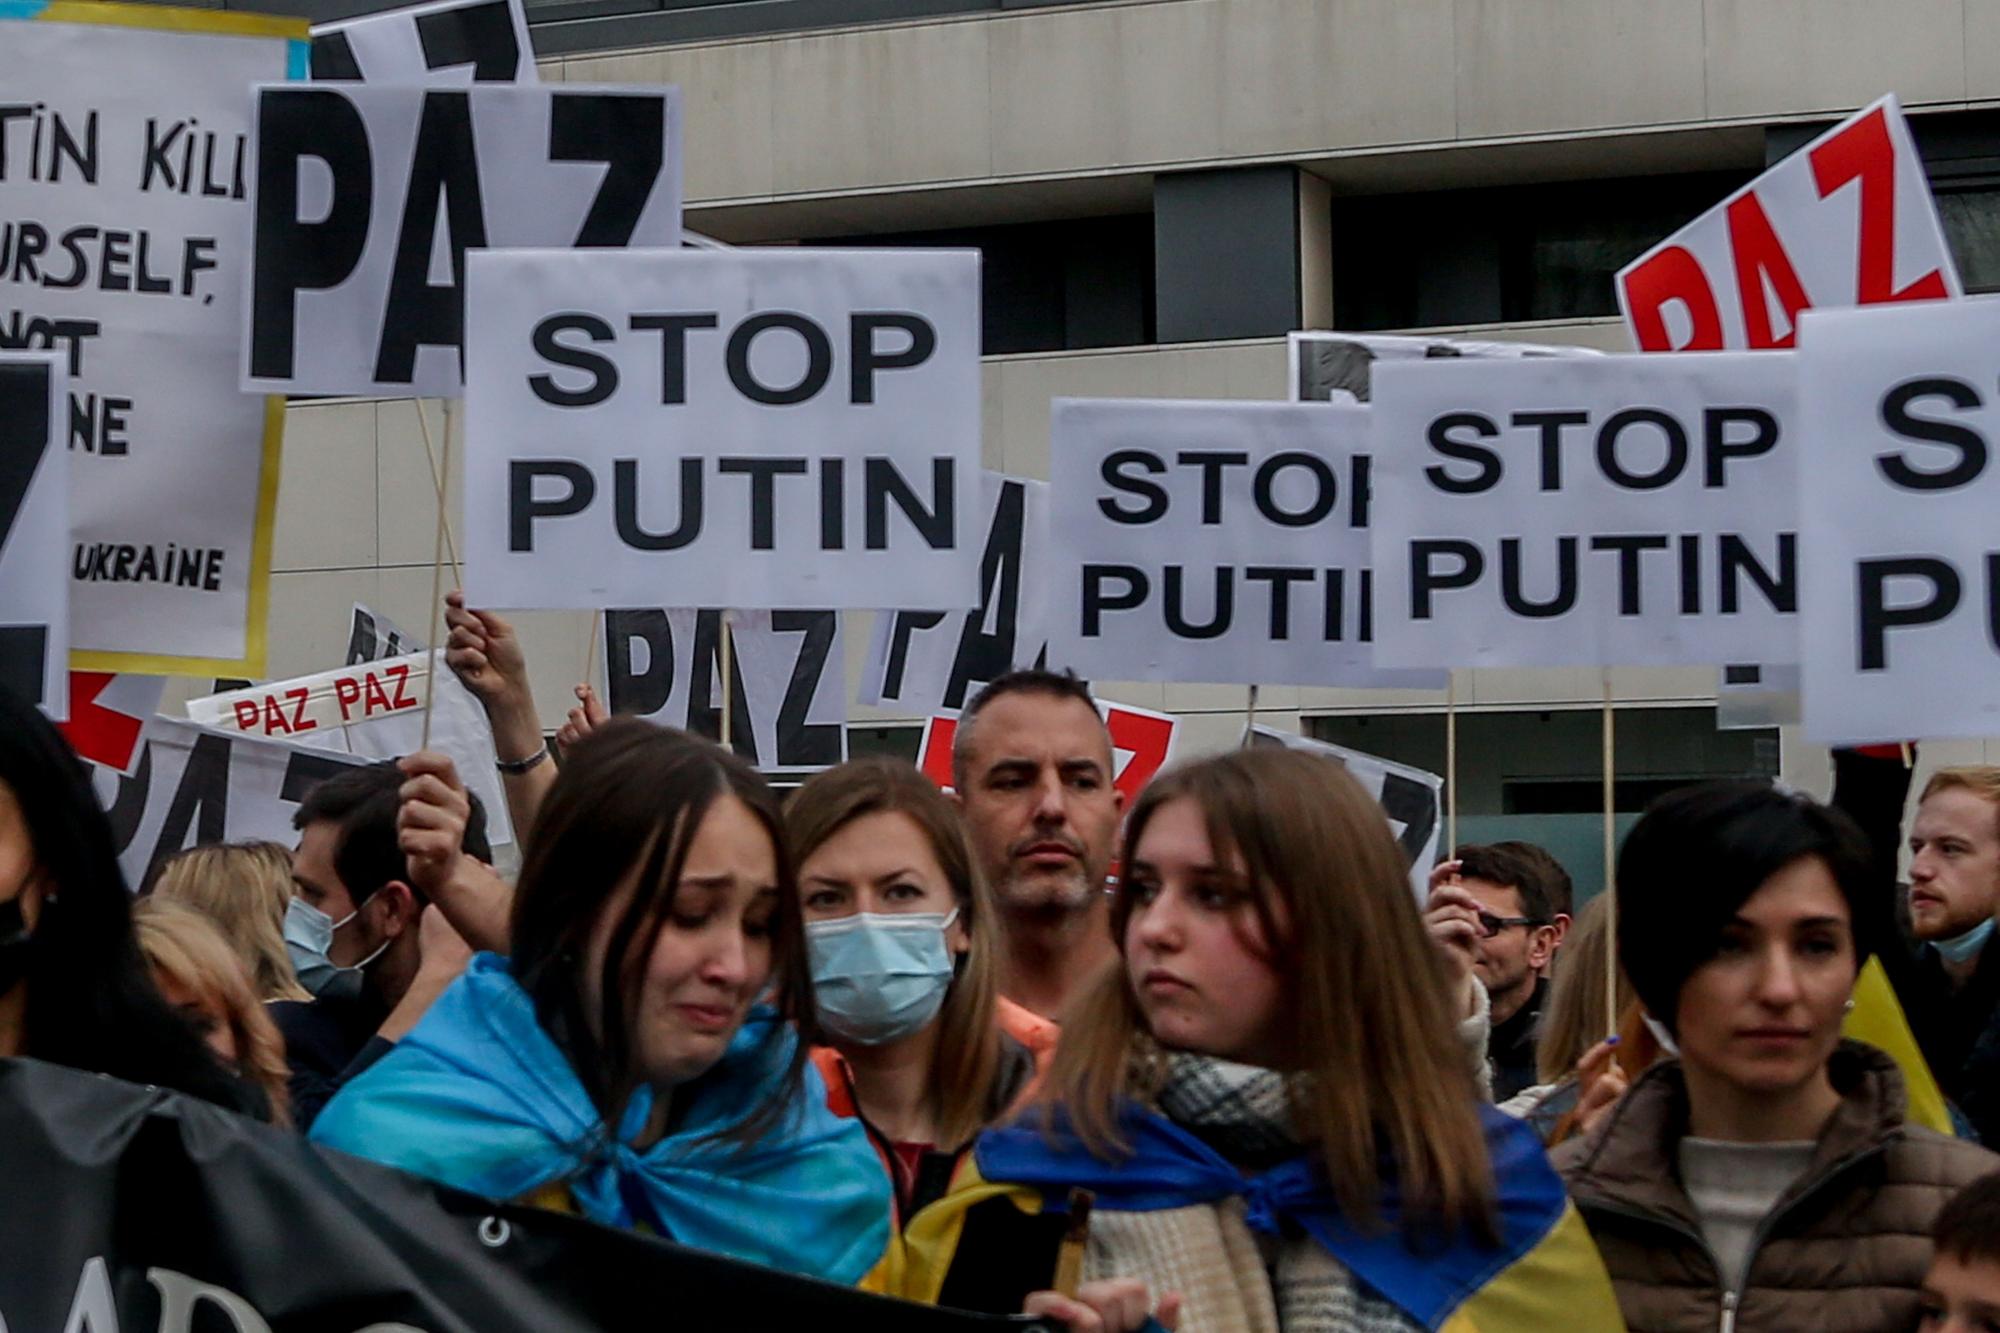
(129,1209)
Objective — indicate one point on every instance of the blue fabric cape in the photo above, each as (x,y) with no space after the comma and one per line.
(478,1097)
(1171,1168)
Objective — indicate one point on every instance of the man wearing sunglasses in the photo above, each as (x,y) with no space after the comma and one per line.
(1516,888)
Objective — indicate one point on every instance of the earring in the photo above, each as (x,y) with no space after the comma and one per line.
(1848,1008)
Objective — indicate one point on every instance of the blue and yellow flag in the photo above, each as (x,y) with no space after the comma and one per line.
(1544,1273)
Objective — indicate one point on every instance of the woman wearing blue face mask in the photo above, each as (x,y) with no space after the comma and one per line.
(900,933)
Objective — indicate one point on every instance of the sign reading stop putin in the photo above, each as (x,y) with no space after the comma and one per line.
(1847,220)
(758,429)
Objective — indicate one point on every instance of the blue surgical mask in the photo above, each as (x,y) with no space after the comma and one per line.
(879,977)
(308,938)
(1964,948)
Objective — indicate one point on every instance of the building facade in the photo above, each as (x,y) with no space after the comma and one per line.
(1162,189)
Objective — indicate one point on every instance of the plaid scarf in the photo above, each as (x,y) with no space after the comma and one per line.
(1234,1279)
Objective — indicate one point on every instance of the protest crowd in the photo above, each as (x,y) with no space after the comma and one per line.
(378,1000)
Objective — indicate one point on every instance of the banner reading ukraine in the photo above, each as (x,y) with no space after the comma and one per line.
(124,243)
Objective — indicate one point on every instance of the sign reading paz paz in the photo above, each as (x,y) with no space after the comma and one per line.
(452,41)
(34,532)
(124,238)
(1847,220)
(1901,631)
(747,428)
(1604,511)
(373,710)
(1217,542)
(368,197)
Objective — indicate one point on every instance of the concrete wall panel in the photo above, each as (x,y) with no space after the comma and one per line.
(1542,66)
(1781,57)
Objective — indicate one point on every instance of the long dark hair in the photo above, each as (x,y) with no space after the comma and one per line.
(630,796)
(91,1000)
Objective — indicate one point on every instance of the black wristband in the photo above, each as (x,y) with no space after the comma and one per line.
(516,767)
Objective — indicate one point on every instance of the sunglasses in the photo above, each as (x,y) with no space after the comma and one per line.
(1491,925)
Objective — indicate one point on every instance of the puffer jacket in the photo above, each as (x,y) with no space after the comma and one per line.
(1844,1250)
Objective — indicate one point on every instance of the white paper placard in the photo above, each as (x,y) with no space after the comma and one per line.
(34,531)
(1902,579)
(373,710)
(125,232)
(1224,542)
(1411,798)
(762,428)
(450,42)
(1847,220)
(369,197)
(196,785)
(1609,511)
(925,662)
(788,697)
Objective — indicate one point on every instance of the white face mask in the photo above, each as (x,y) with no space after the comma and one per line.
(879,977)
(308,938)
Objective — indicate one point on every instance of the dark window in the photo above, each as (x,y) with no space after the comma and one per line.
(1536,774)
(896,742)
(1506,253)
(1052,286)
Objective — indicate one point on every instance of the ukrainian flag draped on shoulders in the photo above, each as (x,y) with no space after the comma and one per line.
(478,1097)
(1545,1273)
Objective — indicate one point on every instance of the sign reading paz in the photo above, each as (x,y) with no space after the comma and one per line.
(452,41)
(931,661)
(1901,630)
(195,785)
(748,428)
(1410,798)
(786,697)
(1217,542)
(373,710)
(124,240)
(368,197)
(1847,220)
(34,532)
(1604,511)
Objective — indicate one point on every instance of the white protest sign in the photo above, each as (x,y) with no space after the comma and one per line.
(1901,631)
(1336,367)
(368,198)
(752,428)
(1847,220)
(934,661)
(373,710)
(196,785)
(34,531)
(124,244)
(1604,511)
(372,636)
(787,696)
(1224,542)
(1410,797)
(450,42)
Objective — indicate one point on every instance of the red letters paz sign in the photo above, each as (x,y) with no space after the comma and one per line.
(1141,740)
(335,701)
(1849,220)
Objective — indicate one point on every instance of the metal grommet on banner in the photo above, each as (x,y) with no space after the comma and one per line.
(495,1232)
